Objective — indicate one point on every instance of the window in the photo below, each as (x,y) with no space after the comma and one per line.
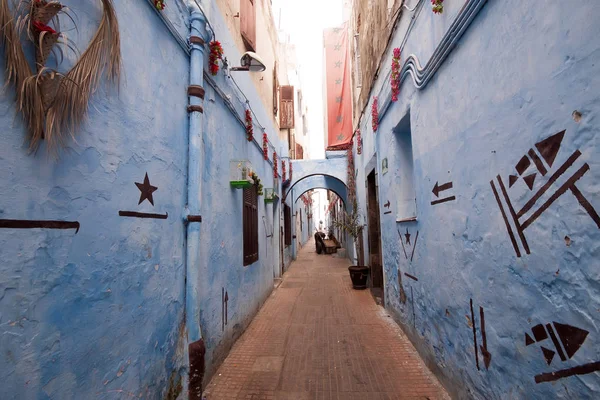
(248,23)
(250,217)
(299,152)
(407,202)
(286,116)
(287,221)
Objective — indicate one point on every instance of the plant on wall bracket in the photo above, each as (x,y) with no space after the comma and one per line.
(437,6)
(259,186)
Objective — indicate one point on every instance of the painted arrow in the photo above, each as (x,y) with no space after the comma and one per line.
(440,188)
(387,205)
(487,356)
(226,306)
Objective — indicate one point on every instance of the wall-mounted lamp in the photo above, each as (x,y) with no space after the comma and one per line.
(250,62)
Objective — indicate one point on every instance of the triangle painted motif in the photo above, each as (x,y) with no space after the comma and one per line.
(572,338)
(548,354)
(528,340)
(529,180)
(549,147)
(512,179)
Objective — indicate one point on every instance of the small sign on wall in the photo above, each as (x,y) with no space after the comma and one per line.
(384,166)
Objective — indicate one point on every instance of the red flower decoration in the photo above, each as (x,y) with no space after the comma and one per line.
(358,142)
(283,173)
(437,6)
(249,127)
(275,169)
(216,54)
(159,4)
(42,28)
(265,146)
(351,177)
(395,77)
(374,115)
(290,170)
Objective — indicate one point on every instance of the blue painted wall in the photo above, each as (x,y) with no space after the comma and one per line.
(221,242)
(303,229)
(221,239)
(514,79)
(101,311)
(88,314)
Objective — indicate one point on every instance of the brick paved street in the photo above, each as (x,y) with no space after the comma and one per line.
(317,338)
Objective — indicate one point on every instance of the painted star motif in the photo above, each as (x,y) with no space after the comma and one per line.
(338,81)
(338,99)
(338,64)
(339,119)
(337,47)
(407,236)
(340,136)
(147,189)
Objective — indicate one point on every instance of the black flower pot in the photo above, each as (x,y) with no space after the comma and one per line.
(359,276)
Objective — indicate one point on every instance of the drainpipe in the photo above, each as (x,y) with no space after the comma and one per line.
(196,348)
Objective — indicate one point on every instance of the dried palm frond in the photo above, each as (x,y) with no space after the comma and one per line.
(19,73)
(55,105)
(103,56)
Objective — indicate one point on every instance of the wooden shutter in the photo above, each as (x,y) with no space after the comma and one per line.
(286,116)
(250,225)
(275,90)
(299,152)
(287,216)
(248,23)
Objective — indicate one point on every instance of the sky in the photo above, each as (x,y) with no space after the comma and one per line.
(305,21)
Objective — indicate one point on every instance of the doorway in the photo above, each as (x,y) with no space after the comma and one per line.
(374,228)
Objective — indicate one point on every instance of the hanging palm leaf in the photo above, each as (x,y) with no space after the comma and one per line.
(54,105)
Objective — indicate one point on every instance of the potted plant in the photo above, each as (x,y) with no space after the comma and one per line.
(351,223)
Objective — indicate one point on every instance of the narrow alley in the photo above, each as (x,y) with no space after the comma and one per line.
(316,338)
(299,200)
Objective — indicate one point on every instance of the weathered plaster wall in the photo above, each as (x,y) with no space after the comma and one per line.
(266,47)
(221,240)
(320,182)
(99,312)
(221,264)
(335,167)
(302,226)
(514,79)
(373,22)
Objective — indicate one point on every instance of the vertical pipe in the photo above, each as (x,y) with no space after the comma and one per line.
(194,187)
(196,348)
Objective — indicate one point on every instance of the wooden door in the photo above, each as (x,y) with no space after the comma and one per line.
(374,227)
